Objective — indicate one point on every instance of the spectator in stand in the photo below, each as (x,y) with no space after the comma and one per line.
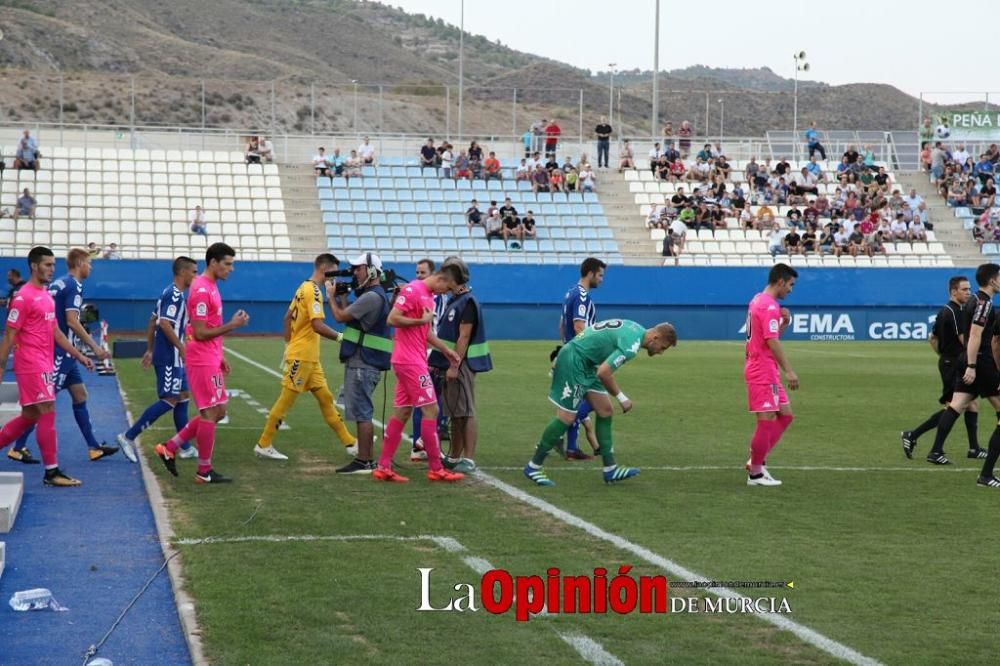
(668,134)
(320,165)
(603,132)
(913,199)
(511,223)
(917,231)
(475,152)
(15,281)
(722,167)
(925,156)
(985,168)
(883,180)
(462,169)
(494,227)
(993,153)
(473,216)
(654,158)
(877,243)
(841,240)
(528,225)
(112,252)
(856,244)
(626,157)
(825,241)
(252,153)
(898,229)
(783,168)
(751,169)
(810,243)
(805,183)
(27,155)
(960,155)
(868,157)
(92,250)
(816,169)
(588,181)
(705,153)
(988,194)
(265,148)
(528,139)
(491,168)
(926,130)
(337,164)
(765,217)
(552,134)
(447,160)
(540,179)
(366,152)
(792,242)
(685,133)
(775,240)
(352,167)
(507,210)
(572,180)
(428,156)
(852,155)
(538,135)
(198,225)
(812,141)
(979,233)
(678,230)
(522,172)
(25,205)
(556,179)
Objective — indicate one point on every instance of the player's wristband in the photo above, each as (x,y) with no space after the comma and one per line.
(621,397)
(971,366)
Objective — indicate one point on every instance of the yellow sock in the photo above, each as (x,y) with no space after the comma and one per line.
(332,416)
(277,414)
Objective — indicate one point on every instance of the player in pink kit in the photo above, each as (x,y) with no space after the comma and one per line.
(206,366)
(764,355)
(411,316)
(32,332)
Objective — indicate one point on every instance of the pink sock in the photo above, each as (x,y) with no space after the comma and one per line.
(393,433)
(429,433)
(206,442)
(185,434)
(759,445)
(780,426)
(45,432)
(14,429)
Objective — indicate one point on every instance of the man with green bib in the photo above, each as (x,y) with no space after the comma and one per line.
(584,370)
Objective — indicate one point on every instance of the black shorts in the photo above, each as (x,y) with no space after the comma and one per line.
(951,370)
(986,383)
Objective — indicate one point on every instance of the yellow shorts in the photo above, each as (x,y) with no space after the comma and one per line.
(302,376)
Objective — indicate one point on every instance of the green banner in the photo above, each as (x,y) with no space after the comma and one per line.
(966,126)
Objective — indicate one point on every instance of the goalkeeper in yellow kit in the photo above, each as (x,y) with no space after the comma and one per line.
(304,325)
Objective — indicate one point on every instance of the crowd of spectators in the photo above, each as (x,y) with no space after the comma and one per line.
(259,150)
(502,222)
(340,166)
(969,181)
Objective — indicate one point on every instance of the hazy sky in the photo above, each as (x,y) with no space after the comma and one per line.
(892,38)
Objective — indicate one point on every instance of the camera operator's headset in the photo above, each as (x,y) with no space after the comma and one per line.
(372,271)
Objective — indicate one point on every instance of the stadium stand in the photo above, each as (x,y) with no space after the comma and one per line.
(737,246)
(141,200)
(408,213)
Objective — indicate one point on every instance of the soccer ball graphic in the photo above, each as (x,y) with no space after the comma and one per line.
(942,131)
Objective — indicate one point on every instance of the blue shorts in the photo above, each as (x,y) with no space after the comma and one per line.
(359,386)
(67,371)
(171,381)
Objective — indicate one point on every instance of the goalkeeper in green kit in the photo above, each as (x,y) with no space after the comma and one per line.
(584,370)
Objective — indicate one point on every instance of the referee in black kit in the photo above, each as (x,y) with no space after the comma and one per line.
(948,342)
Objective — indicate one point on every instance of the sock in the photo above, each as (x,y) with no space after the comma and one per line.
(14,429)
(82,416)
(972,428)
(181,420)
(148,418)
(571,436)
(553,432)
(47,443)
(279,410)
(431,444)
(944,427)
(929,424)
(777,430)
(417,430)
(602,428)
(188,432)
(760,444)
(22,439)
(393,434)
(332,416)
(992,454)
(206,442)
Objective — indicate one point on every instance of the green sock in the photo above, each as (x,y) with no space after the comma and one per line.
(553,432)
(605,441)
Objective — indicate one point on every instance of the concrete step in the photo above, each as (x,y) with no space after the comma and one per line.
(11,494)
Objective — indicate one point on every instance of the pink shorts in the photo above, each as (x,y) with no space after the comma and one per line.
(35,387)
(208,386)
(766,397)
(414,387)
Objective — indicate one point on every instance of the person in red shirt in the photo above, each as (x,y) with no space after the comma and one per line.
(492,167)
(552,133)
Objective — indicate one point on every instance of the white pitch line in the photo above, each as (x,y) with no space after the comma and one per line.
(674,569)
(730,468)
(591,651)
(803,632)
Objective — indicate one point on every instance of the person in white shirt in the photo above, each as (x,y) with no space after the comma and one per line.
(587,179)
(265,149)
(775,240)
(653,219)
(447,160)
(960,155)
(913,199)
(523,171)
(198,225)
(898,229)
(366,151)
(112,252)
(917,231)
(841,239)
(320,165)
(679,231)
(654,157)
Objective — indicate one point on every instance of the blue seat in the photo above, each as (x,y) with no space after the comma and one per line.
(362,218)
(366,230)
(400,243)
(407,207)
(579,246)
(605,233)
(397,172)
(394,219)
(550,209)
(554,232)
(404,195)
(432,184)
(574,233)
(559,197)
(390,206)
(448,184)
(369,195)
(367,171)
(376,207)
(326,205)
(439,207)
(430,232)
(388,195)
(452,195)
(329,217)
(426,219)
(401,183)
(599,221)
(385,183)
(359,206)
(590,197)
(341,193)
(463,185)
(580,209)
(595,209)
(562,246)
(325,193)
(432,244)
(356,195)
(449,245)
(608,246)
(435,195)
(423,206)
(546,246)
(381,230)
(465,245)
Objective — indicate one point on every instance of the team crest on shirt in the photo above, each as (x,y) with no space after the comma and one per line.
(13,316)
(49,316)
(78,300)
(451,316)
(582,310)
(401,299)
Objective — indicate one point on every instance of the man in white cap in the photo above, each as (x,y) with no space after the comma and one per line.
(365,351)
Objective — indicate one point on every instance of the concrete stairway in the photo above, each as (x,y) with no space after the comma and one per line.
(305,221)
(623,217)
(947,228)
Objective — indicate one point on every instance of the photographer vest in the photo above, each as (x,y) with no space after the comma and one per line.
(376,344)
(478,354)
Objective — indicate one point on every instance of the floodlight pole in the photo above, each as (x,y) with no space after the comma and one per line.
(461,63)
(655,119)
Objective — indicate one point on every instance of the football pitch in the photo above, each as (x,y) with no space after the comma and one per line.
(892,559)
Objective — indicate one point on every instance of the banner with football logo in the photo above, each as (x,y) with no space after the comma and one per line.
(967,126)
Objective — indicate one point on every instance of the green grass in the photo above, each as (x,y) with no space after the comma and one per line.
(885,561)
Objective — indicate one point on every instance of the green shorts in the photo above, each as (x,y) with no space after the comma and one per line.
(572,380)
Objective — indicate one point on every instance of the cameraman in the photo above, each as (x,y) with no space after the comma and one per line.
(365,351)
